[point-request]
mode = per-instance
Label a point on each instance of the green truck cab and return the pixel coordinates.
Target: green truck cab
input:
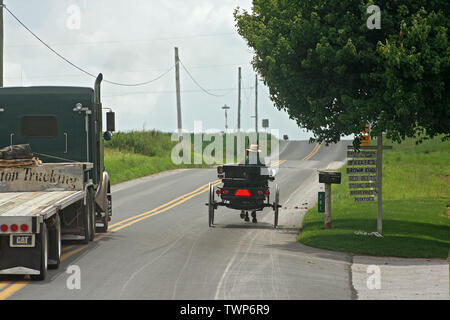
(60, 123)
(64, 127)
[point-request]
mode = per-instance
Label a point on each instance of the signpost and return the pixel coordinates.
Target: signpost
(362, 185)
(328, 178)
(362, 178)
(362, 170)
(365, 175)
(361, 154)
(362, 192)
(361, 162)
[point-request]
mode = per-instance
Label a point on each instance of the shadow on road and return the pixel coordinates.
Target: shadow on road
(257, 226)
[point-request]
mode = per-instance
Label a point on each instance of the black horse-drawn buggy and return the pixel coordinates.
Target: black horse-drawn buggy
(244, 188)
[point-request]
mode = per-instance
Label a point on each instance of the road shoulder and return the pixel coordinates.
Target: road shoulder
(400, 278)
(143, 180)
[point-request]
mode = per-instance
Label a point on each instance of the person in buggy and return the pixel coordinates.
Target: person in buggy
(252, 158)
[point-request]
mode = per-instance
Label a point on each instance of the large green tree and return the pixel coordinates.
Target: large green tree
(333, 74)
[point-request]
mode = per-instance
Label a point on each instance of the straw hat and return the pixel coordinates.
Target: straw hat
(253, 148)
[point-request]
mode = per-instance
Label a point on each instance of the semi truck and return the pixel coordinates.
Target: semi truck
(67, 194)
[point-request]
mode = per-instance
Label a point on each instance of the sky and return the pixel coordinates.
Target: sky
(132, 42)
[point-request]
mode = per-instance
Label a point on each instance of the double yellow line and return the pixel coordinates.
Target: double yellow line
(8, 288)
(277, 164)
(313, 152)
(169, 205)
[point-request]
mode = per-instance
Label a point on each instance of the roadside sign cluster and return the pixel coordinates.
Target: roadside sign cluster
(364, 169)
(362, 172)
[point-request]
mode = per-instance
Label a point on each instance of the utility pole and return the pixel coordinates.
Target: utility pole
(256, 104)
(225, 107)
(239, 112)
(177, 80)
(1, 43)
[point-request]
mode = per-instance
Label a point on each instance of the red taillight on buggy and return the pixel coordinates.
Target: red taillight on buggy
(260, 193)
(225, 192)
(218, 192)
(267, 193)
(242, 193)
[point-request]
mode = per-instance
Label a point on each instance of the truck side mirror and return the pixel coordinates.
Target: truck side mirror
(107, 135)
(110, 121)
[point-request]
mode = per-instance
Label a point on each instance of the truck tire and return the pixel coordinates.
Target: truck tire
(87, 219)
(108, 214)
(43, 245)
(54, 244)
(92, 204)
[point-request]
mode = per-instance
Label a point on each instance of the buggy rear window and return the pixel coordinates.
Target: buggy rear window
(38, 126)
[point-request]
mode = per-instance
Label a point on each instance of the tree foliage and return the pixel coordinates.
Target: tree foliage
(333, 74)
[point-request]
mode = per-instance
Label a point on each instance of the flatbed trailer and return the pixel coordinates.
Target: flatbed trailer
(39, 206)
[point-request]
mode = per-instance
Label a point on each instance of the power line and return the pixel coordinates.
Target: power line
(139, 84)
(60, 44)
(169, 91)
(77, 67)
(142, 70)
(198, 85)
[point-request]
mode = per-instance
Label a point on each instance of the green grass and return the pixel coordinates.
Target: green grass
(416, 181)
(123, 166)
(135, 154)
(147, 143)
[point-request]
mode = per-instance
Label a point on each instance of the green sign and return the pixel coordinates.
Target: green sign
(321, 201)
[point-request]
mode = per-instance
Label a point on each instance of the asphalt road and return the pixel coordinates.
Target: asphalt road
(160, 246)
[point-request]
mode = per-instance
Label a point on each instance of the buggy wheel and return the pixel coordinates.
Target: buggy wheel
(211, 205)
(276, 207)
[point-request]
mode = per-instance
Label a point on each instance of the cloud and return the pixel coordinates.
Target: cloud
(133, 41)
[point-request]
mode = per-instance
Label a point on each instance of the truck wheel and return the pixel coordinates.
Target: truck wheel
(92, 204)
(87, 219)
(54, 244)
(44, 254)
(107, 216)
